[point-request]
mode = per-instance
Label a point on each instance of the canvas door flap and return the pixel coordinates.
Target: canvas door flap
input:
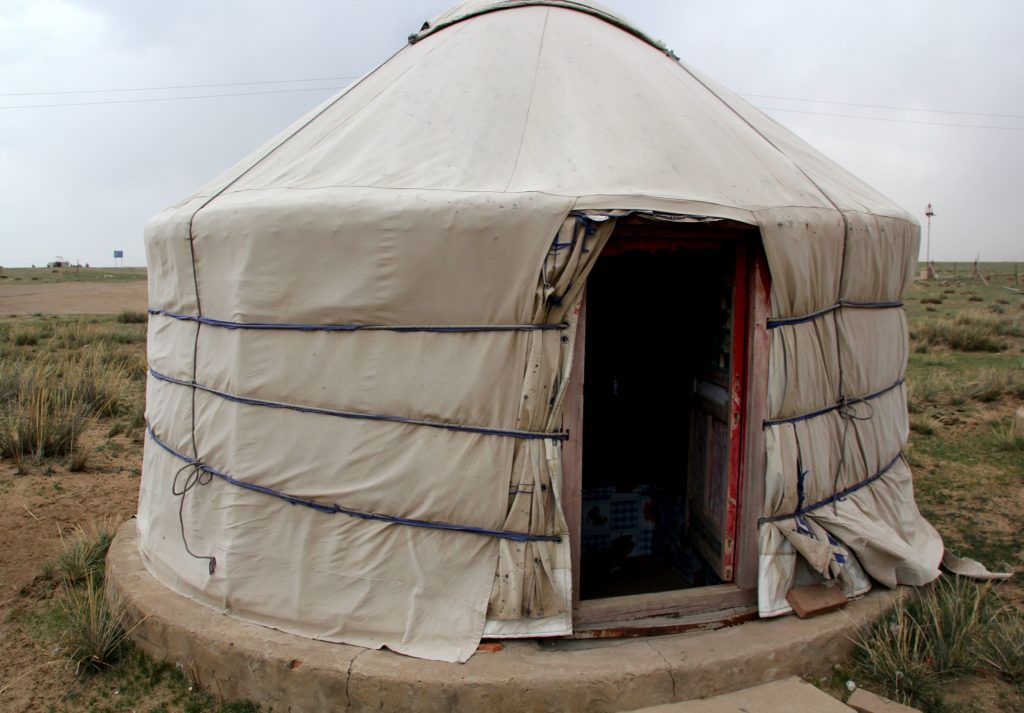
(881, 524)
(827, 555)
(815, 550)
(793, 553)
(532, 591)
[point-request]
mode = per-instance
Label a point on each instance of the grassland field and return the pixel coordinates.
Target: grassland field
(48, 275)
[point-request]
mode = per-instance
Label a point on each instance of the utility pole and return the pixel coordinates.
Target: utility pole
(929, 272)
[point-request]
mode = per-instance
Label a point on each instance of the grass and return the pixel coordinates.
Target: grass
(923, 424)
(25, 339)
(965, 379)
(94, 637)
(92, 371)
(1002, 651)
(41, 420)
(954, 382)
(62, 377)
(947, 632)
(89, 629)
(970, 337)
(83, 555)
(1005, 437)
(127, 317)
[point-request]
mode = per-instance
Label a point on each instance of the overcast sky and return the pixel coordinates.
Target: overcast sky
(80, 181)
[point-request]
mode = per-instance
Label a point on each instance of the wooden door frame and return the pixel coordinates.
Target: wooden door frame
(746, 449)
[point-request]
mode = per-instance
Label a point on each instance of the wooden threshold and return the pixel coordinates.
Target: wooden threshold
(699, 601)
(665, 625)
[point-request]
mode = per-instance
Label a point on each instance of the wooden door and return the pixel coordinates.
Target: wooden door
(715, 438)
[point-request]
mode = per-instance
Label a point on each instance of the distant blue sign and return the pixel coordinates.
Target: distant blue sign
(119, 253)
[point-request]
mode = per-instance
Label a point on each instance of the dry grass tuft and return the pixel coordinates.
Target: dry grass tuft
(986, 385)
(947, 632)
(968, 337)
(925, 425)
(1006, 439)
(94, 627)
(42, 419)
(92, 623)
(83, 554)
(128, 317)
(1002, 652)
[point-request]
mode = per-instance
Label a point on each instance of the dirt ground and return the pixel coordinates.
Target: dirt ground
(74, 298)
(36, 511)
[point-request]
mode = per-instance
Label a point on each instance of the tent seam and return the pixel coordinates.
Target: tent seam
(529, 107)
(576, 199)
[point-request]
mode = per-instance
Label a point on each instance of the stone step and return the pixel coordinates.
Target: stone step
(790, 695)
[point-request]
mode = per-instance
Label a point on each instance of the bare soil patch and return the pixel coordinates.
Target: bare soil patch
(74, 298)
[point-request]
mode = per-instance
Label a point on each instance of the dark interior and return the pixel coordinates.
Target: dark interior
(657, 319)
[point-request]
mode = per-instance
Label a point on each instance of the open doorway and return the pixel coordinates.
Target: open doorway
(662, 408)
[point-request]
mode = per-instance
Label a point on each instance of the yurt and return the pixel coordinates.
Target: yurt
(531, 326)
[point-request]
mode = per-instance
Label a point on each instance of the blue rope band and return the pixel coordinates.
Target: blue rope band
(841, 495)
(287, 326)
(559, 436)
(789, 321)
(335, 509)
(842, 403)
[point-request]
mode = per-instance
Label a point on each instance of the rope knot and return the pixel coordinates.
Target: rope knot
(848, 411)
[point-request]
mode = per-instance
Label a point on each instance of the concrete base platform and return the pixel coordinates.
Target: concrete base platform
(236, 660)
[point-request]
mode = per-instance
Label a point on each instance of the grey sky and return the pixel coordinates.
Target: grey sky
(81, 181)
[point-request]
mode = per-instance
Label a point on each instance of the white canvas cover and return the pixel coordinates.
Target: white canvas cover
(361, 335)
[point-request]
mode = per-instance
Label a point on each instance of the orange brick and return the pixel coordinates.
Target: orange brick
(815, 599)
